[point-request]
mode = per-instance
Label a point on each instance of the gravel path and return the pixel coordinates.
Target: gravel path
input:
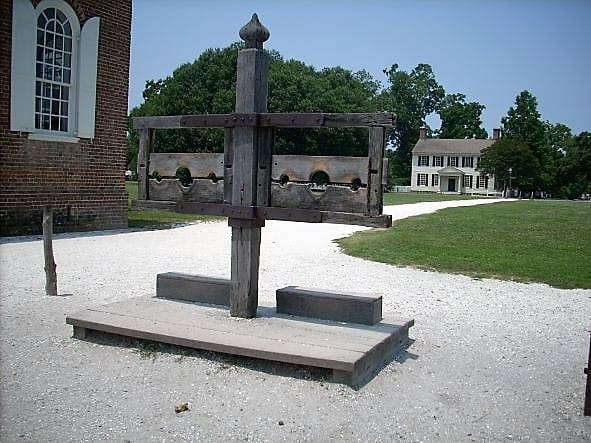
(490, 360)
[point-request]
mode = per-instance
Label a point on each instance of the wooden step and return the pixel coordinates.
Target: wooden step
(354, 352)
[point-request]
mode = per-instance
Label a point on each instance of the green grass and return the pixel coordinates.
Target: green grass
(402, 198)
(157, 219)
(529, 241)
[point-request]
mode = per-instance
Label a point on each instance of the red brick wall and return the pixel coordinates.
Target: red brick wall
(83, 181)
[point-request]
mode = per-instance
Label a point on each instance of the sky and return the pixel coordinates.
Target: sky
(489, 50)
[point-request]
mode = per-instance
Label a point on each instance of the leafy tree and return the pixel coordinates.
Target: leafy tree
(208, 86)
(412, 96)
(576, 171)
(523, 122)
(460, 119)
(510, 154)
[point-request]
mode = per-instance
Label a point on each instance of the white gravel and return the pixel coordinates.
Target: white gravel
(490, 360)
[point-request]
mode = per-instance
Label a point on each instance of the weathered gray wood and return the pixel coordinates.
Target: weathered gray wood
(299, 168)
(264, 119)
(159, 205)
(146, 146)
(331, 198)
(79, 332)
(354, 353)
(379, 221)
(251, 96)
(264, 159)
(330, 305)
(200, 190)
(377, 138)
(201, 164)
(50, 273)
(223, 210)
(196, 288)
(228, 161)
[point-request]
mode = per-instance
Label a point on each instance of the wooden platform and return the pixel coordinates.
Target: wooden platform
(354, 352)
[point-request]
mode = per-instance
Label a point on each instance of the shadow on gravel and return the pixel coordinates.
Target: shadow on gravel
(149, 350)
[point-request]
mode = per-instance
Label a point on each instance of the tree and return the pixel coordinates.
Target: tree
(506, 158)
(576, 170)
(412, 96)
(460, 119)
(208, 86)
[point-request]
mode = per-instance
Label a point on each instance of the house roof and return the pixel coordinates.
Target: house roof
(451, 146)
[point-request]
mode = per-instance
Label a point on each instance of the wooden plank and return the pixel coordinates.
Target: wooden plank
(201, 165)
(290, 214)
(264, 158)
(228, 161)
(331, 305)
(146, 146)
(379, 221)
(196, 288)
(352, 351)
(340, 169)
(331, 198)
(375, 168)
(158, 122)
(158, 205)
(264, 119)
(200, 190)
(223, 210)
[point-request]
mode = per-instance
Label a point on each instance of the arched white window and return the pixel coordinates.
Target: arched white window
(53, 72)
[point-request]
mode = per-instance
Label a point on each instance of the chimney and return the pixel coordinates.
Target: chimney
(496, 133)
(423, 133)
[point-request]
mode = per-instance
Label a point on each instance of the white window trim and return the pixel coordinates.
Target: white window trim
(52, 137)
(84, 71)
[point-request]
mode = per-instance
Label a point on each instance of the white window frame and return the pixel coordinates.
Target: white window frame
(422, 179)
(434, 179)
(481, 181)
(437, 160)
(84, 72)
(423, 160)
(468, 181)
(467, 162)
(452, 161)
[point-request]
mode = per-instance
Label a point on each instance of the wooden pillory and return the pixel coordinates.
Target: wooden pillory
(249, 185)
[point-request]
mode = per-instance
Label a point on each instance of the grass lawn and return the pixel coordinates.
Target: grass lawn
(157, 219)
(402, 198)
(541, 241)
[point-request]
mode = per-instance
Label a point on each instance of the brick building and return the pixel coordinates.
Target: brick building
(64, 73)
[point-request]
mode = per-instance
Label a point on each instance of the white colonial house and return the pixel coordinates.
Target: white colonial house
(449, 165)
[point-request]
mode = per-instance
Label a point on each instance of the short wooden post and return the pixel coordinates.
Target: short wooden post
(377, 137)
(143, 162)
(587, 409)
(249, 144)
(50, 274)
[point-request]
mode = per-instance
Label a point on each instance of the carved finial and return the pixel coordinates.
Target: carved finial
(254, 33)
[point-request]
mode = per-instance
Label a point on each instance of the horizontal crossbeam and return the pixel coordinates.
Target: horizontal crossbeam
(264, 119)
(269, 213)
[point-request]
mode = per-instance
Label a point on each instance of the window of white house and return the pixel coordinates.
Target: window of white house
(53, 71)
(482, 181)
(423, 160)
(422, 179)
(467, 181)
(434, 179)
(452, 161)
(437, 160)
(467, 162)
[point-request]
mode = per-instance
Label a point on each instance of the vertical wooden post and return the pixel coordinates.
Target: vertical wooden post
(377, 137)
(50, 274)
(143, 162)
(587, 409)
(249, 145)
